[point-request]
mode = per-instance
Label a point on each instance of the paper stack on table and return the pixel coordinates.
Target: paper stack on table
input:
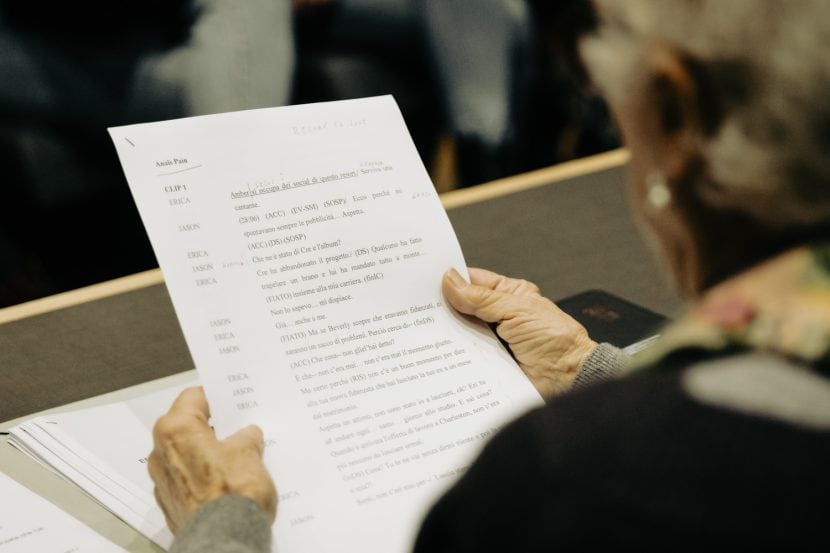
(103, 451)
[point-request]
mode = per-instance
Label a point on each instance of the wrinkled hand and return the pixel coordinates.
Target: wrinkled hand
(190, 467)
(548, 344)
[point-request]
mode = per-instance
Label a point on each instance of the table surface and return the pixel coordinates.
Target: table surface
(567, 228)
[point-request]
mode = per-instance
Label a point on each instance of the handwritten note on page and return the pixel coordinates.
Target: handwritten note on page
(303, 248)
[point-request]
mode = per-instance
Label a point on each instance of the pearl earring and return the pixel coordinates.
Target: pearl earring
(658, 193)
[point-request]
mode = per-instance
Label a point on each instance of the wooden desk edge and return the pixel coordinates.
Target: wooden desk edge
(453, 199)
(81, 295)
(534, 179)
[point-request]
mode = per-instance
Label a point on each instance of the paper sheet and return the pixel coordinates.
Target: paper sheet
(29, 523)
(103, 450)
(303, 248)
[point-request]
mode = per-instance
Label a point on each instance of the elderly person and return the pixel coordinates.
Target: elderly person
(720, 433)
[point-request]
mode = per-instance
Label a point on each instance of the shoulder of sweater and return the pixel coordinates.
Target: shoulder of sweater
(753, 385)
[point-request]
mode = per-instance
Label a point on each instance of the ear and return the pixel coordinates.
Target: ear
(680, 109)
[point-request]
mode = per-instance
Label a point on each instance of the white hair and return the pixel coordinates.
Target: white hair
(769, 154)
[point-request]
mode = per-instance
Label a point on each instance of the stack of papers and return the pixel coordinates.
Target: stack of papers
(103, 450)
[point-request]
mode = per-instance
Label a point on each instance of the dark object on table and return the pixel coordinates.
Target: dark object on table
(609, 318)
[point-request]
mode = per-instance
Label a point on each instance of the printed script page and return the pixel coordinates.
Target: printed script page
(303, 248)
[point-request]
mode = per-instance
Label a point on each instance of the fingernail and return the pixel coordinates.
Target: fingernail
(456, 279)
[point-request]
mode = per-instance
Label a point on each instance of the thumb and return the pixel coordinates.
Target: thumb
(249, 438)
(485, 303)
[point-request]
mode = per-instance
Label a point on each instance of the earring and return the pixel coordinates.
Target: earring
(658, 193)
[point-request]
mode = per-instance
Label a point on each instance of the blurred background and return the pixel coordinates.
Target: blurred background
(483, 95)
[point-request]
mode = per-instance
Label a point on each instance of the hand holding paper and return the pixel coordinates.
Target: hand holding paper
(548, 344)
(190, 467)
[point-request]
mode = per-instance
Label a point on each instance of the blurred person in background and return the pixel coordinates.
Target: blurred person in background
(70, 70)
(719, 435)
(474, 70)
(470, 71)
